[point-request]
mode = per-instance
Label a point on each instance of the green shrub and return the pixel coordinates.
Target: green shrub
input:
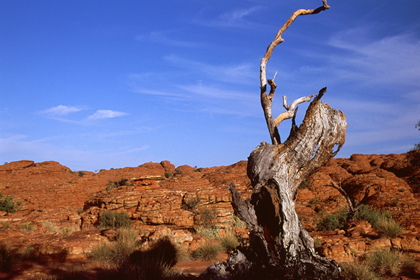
(381, 220)
(168, 175)
(332, 221)
(358, 271)
(6, 225)
(228, 241)
(118, 251)
(385, 262)
(208, 216)
(210, 232)
(114, 220)
(388, 228)
(190, 203)
(304, 185)
(26, 227)
(178, 172)
(208, 251)
(154, 263)
(116, 184)
(8, 205)
(317, 242)
(238, 223)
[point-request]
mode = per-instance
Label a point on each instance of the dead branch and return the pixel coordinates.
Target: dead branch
(266, 99)
(352, 205)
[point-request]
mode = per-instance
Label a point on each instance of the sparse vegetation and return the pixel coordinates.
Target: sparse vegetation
(114, 220)
(385, 262)
(178, 172)
(116, 184)
(304, 185)
(381, 220)
(358, 271)
(228, 241)
(6, 225)
(190, 203)
(211, 232)
(317, 242)
(118, 251)
(417, 146)
(154, 263)
(389, 228)
(332, 221)
(168, 175)
(208, 216)
(26, 227)
(208, 251)
(8, 205)
(379, 264)
(81, 173)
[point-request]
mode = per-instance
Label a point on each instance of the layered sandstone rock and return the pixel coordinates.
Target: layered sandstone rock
(60, 208)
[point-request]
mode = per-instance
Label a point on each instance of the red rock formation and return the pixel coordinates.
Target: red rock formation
(60, 208)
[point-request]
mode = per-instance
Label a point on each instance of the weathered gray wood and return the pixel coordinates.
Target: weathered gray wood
(279, 247)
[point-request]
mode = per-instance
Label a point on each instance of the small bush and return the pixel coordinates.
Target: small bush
(208, 215)
(114, 220)
(380, 220)
(6, 225)
(116, 184)
(190, 203)
(238, 223)
(304, 185)
(178, 172)
(168, 175)
(8, 205)
(118, 251)
(26, 227)
(229, 241)
(151, 264)
(208, 251)
(358, 271)
(317, 242)
(212, 233)
(385, 263)
(332, 221)
(388, 228)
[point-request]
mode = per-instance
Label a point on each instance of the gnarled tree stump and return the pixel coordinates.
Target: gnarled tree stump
(279, 247)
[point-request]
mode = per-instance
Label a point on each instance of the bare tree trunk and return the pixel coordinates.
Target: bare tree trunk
(279, 243)
(279, 247)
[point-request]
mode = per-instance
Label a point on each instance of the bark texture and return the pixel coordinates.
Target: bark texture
(279, 247)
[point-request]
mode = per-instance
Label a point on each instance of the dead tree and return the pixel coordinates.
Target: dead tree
(353, 205)
(279, 247)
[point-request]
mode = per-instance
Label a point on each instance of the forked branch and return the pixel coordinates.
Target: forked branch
(353, 206)
(266, 99)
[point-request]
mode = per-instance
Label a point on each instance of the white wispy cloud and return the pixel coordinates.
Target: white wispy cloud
(161, 37)
(105, 114)
(216, 93)
(62, 110)
(239, 73)
(389, 60)
(233, 19)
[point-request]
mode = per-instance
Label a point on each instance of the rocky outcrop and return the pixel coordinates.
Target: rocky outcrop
(62, 206)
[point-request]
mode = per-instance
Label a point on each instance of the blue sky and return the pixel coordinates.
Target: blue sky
(108, 84)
